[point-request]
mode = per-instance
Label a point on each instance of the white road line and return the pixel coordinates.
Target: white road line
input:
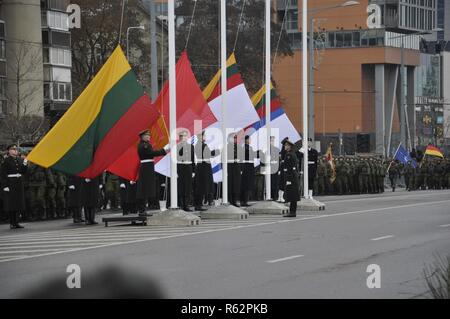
(446, 225)
(368, 211)
(283, 259)
(383, 237)
(75, 241)
(380, 197)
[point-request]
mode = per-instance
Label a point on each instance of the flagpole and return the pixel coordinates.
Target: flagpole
(390, 164)
(268, 102)
(305, 98)
(223, 59)
(172, 107)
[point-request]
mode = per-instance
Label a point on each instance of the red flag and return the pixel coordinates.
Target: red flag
(191, 106)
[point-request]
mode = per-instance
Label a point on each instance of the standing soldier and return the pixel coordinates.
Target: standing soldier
(75, 198)
(127, 196)
(146, 184)
(281, 181)
(408, 171)
(313, 157)
(50, 194)
(37, 187)
(91, 195)
(112, 191)
(248, 172)
(364, 170)
(340, 176)
(321, 176)
(12, 170)
(204, 182)
(235, 155)
(291, 166)
(274, 169)
(394, 173)
(185, 170)
(61, 183)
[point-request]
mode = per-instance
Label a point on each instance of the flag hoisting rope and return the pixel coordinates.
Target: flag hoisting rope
(191, 24)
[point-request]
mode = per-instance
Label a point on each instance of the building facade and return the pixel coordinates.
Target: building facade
(357, 81)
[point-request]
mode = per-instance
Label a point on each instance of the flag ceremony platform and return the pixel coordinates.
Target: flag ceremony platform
(267, 208)
(133, 219)
(310, 204)
(225, 212)
(173, 217)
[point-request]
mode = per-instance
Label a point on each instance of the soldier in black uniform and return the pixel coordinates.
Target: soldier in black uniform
(74, 198)
(274, 169)
(248, 172)
(186, 171)
(146, 184)
(204, 182)
(91, 195)
(281, 174)
(313, 157)
(235, 156)
(291, 171)
(12, 171)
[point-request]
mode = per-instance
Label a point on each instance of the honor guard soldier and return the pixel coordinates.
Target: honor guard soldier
(274, 169)
(291, 176)
(12, 171)
(91, 195)
(313, 157)
(75, 198)
(204, 182)
(281, 180)
(146, 185)
(248, 172)
(235, 156)
(185, 170)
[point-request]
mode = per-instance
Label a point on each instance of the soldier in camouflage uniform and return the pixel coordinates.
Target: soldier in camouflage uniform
(439, 172)
(321, 176)
(51, 194)
(363, 173)
(37, 183)
(112, 191)
(351, 171)
(339, 183)
(408, 174)
(61, 183)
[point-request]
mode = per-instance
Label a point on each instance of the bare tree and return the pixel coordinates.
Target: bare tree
(25, 121)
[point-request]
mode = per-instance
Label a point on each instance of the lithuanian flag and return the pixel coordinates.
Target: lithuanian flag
(100, 125)
(434, 151)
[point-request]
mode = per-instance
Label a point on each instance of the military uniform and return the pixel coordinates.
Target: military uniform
(394, 173)
(186, 173)
(292, 193)
(112, 191)
(12, 171)
(408, 173)
(61, 183)
(37, 182)
(50, 194)
(235, 156)
(363, 170)
(204, 182)
(248, 174)
(75, 197)
(91, 195)
(146, 184)
(128, 196)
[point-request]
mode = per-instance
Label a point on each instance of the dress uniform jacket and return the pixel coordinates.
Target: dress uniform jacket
(281, 172)
(248, 169)
(12, 171)
(185, 168)
(146, 186)
(291, 174)
(204, 182)
(91, 192)
(74, 196)
(235, 156)
(313, 157)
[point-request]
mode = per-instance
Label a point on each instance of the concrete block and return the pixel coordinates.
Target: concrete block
(173, 217)
(267, 208)
(310, 204)
(225, 212)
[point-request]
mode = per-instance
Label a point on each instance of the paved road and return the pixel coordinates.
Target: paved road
(312, 256)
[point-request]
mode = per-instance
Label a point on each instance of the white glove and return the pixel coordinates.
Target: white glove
(6, 189)
(25, 162)
(193, 175)
(87, 180)
(167, 148)
(302, 150)
(132, 182)
(122, 185)
(72, 187)
(100, 186)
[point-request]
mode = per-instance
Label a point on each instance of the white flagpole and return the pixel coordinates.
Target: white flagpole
(172, 107)
(223, 58)
(268, 101)
(305, 98)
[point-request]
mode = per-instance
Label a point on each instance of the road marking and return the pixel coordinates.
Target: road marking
(283, 259)
(368, 211)
(380, 197)
(383, 237)
(446, 225)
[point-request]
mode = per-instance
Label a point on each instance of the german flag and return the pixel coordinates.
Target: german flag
(434, 151)
(100, 125)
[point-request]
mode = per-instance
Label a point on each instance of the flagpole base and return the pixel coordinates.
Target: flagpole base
(225, 211)
(267, 208)
(174, 217)
(310, 205)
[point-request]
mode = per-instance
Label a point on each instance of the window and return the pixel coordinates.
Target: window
(60, 57)
(47, 91)
(2, 50)
(2, 87)
(46, 55)
(58, 20)
(356, 39)
(347, 39)
(339, 40)
(3, 108)
(331, 42)
(60, 91)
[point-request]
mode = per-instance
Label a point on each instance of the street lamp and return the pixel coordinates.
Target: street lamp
(311, 63)
(128, 32)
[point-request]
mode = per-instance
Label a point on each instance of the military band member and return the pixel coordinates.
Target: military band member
(186, 170)
(234, 160)
(146, 186)
(12, 171)
(204, 182)
(75, 198)
(291, 174)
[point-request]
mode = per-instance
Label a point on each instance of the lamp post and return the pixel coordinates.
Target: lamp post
(311, 130)
(128, 33)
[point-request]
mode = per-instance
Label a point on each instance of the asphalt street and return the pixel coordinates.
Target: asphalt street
(316, 255)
